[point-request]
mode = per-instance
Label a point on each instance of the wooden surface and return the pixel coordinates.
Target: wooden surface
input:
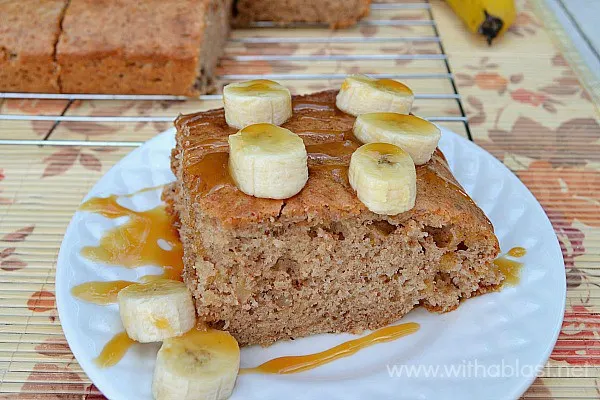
(524, 102)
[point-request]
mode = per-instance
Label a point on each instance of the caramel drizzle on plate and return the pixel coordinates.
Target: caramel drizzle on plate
(99, 292)
(517, 252)
(511, 269)
(294, 364)
(132, 244)
(136, 242)
(114, 350)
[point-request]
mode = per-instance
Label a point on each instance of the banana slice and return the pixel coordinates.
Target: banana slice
(156, 310)
(384, 178)
(417, 137)
(268, 161)
(361, 94)
(257, 101)
(196, 366)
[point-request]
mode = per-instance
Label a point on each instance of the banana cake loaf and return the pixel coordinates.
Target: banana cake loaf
(319, 261)
(29, 30)
(127, 47)
(154, 47)
(335, 13)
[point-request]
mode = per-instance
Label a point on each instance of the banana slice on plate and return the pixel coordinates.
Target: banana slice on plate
(268, 161)
(156, 310)
(257, 101)
(384, 178)
(361, 94)
(196, 366)
(417, 137)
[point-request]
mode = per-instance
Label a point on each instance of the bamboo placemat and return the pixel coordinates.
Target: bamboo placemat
(523, 101)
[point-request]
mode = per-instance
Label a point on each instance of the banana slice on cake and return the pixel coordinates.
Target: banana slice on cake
(268, 161)
(384, 178)
(196, 366)
(417, 137)
(156, 310)
(257, 101)
(361, 94)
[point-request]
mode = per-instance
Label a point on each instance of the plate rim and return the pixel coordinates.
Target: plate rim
(84, 360)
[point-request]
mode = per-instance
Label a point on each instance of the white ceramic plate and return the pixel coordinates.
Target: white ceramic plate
(490, 347)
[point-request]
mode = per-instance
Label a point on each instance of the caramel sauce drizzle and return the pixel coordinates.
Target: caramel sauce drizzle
(384, 84)
(100, 292)
(259, 86)
(211, 165)
(332, 151)
(132, 244)
(294, 364)
(314, 106)
(114, 350)
(511, 269)
(213, 171)
(327, 147)
(517, 252)
(390, 84)
(135, 243)
(321, 135)
(213, 144)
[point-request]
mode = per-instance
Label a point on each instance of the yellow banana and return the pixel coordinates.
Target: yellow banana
(489, 18)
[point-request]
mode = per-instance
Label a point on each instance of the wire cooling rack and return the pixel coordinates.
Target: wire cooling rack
(395, 35)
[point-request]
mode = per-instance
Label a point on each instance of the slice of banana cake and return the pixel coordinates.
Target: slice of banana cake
(320, 261)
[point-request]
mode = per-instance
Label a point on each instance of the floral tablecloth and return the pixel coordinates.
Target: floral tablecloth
(523, 99)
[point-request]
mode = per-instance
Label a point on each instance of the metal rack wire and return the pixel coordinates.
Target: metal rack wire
(240, 58)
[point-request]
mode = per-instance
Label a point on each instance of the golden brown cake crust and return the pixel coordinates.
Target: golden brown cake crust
(150, 47)
(29, 30)
(335, 13)
(327, 195)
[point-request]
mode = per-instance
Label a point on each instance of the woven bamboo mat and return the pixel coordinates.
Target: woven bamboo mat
(523, 101)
